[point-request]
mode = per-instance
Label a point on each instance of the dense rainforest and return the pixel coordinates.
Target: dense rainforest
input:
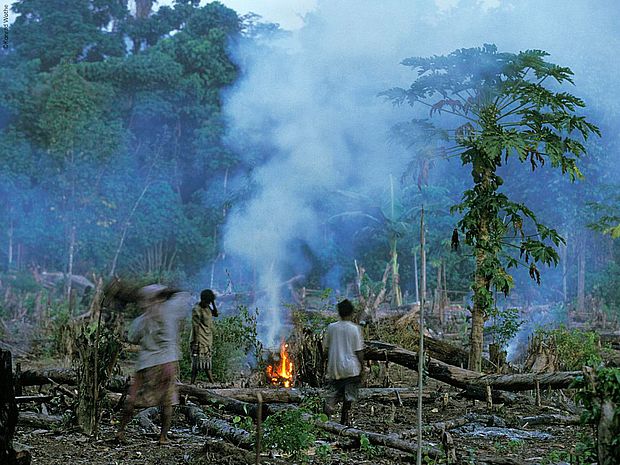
(411, 156)
(117, 159)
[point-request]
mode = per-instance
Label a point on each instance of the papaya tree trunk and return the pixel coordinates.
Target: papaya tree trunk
(481, 287)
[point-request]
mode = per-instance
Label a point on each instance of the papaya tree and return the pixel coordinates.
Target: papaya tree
(497, 106)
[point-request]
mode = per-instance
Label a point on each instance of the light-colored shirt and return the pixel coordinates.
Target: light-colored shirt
(156, 330)
(343, 339)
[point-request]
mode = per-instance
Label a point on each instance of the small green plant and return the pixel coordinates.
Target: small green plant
(313, 403)
(289, 431)
(513, 446)
(367, 448)
(324, 452)
(245, 423)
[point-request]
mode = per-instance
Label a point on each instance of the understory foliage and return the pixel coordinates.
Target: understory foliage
(235, 345)
(599, 394)
(497, 106)
(96, 352)
(574, 348)
(289, 431)
(505, 325)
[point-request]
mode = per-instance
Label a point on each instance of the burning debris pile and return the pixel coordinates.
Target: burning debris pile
(281, 372)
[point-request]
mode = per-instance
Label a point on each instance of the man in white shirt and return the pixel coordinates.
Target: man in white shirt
(344, 345)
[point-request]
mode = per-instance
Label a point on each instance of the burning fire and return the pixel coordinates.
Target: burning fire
(281, 373)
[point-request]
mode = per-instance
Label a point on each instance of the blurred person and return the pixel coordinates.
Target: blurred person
(201, 342)
(344, 344)
(156, 330)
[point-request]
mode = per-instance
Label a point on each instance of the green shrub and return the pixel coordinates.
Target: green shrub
(575, 348)
(290, 432)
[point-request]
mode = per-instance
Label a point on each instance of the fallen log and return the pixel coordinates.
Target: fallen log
(466, 379)
(450, 354)
(550, 419)
(207, 397)
(215, 426)
(146, 419)
(377, 439)
(39, 420)
(36, 399)
(39, 377)
(295, 396)
(439, 427)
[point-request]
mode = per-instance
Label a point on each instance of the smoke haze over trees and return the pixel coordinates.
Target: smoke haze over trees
(192, 143)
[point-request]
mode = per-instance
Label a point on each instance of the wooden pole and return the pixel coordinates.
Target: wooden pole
(421, 340)
(259, 426)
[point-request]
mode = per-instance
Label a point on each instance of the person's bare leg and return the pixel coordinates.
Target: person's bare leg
(128, 410)
(194, 373)
(346, 408)
(210, 376)
(166, 420)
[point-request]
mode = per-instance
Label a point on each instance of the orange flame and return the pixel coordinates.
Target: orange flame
(281, 374)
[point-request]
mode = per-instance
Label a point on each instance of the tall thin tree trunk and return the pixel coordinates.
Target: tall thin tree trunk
(444, 295)
(71, 258)
(421, 340)
(581, 275)
(396, 293)
(481, 289)
(564, 259)
(438, 296)
(415, 276)
(10, 233)
(126, 226)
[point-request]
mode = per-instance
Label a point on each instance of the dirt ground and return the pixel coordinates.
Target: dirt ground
(505, 439)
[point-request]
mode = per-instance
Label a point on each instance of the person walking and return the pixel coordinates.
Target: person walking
(156, 330)
(344, 344)
(201, 343)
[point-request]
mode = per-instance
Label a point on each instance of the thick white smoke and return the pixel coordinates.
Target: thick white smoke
(308, 107)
